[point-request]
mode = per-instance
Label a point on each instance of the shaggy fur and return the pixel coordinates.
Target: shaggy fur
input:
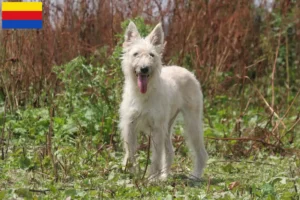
(152, 98)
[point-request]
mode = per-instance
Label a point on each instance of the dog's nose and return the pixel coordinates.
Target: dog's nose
(145, 70)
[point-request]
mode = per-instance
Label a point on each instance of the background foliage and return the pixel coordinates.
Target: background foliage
(60, 89)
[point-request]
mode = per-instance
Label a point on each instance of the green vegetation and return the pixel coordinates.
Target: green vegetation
(69, 146)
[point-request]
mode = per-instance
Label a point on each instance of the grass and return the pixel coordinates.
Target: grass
(93, 174)
(83, 164)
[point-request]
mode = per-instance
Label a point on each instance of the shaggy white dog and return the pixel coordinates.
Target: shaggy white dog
(153, 96)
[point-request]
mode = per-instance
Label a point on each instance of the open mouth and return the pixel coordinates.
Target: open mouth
(142, 80)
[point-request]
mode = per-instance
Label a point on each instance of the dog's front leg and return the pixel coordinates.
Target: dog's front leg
(157, 148)
(130, 145)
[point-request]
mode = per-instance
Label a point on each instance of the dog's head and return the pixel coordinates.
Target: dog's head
(142, 56)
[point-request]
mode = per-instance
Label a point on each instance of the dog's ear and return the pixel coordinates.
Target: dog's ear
(156, 37)
(131, 34)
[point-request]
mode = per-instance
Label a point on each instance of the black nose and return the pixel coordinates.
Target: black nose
(145, 70)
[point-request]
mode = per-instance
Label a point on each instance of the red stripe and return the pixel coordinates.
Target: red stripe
(21, 15)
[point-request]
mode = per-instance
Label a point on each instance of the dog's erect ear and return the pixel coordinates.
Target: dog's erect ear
(131, 34)
(156, 37)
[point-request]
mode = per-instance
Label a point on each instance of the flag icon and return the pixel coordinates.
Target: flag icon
(22, 15)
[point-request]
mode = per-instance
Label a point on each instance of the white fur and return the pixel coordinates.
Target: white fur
(170, 90)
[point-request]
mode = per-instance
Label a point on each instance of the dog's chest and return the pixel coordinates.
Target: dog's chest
(145, 122)
(148, 116)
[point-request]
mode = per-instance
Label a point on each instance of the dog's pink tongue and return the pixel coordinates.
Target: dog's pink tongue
(142, 83)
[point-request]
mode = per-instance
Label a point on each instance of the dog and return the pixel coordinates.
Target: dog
(153, 96)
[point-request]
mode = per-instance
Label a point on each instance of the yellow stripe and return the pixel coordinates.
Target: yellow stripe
(22, 6)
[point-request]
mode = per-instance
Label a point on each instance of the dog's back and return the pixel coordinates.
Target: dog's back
(186, 85)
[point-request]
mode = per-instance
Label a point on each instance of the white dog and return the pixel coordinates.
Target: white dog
(153, 96)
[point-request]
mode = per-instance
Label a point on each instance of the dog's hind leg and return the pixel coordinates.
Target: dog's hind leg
(194, 133)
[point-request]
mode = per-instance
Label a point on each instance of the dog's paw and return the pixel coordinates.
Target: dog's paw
(194, 178)
(153, 178)
(163, 177)
(158, 177)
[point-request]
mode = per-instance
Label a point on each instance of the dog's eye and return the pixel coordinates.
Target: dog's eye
(151, 54)
(135, 54)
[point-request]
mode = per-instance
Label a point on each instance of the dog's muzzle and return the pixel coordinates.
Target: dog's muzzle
(145, 70)
(142, 78)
